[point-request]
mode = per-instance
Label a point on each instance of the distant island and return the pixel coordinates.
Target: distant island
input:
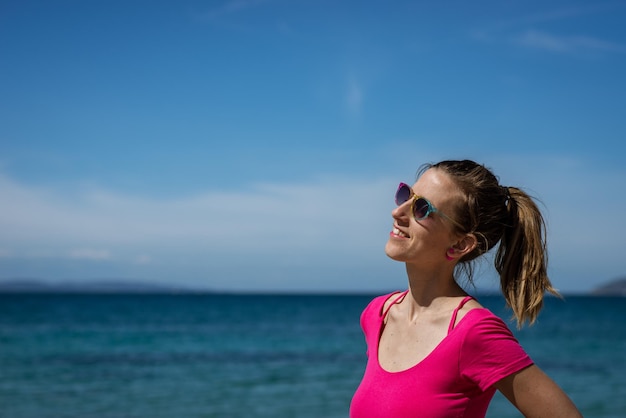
(97, 286)
(612, 288)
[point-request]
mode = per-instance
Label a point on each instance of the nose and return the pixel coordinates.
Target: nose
(402, 212)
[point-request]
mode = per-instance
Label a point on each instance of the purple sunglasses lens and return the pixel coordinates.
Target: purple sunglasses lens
(403, 194)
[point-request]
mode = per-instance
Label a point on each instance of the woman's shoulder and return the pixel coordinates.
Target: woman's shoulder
(465, 305)
(479, 323)
(371, 317)
(387, 300)
(381, 303)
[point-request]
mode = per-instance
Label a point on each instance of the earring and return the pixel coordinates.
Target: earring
(448, 254)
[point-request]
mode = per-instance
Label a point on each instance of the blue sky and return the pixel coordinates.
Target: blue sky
(255, 145)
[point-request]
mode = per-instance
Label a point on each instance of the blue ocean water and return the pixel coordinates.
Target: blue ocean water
(211, 355)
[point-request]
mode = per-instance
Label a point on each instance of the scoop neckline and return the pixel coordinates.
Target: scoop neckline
(434, 350)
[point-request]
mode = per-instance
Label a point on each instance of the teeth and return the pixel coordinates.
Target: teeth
(400, 233)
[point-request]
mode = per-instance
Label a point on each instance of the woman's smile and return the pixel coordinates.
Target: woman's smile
(395, 232)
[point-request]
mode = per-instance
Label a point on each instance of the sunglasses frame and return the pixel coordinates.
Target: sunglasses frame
(431, 208)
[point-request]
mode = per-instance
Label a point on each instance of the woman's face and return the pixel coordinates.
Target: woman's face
(425, 241)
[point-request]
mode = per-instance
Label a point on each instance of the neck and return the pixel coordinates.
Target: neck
(426, 286)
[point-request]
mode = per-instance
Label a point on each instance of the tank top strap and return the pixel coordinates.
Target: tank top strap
(396, 300)
(456, 311)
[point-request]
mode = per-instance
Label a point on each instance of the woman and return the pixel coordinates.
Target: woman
(434, 351)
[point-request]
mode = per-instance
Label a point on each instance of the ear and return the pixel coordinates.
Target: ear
(465, 245)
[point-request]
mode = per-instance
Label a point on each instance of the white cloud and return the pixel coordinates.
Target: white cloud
(267, 218)
(550, 42)
(265, 236)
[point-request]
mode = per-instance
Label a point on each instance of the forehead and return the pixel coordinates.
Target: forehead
(438, 187)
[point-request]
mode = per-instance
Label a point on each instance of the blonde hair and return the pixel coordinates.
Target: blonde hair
(508, 216)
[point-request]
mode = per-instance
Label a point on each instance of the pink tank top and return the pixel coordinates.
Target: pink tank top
(454, 381)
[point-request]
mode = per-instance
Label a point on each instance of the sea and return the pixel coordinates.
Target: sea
(255, 355)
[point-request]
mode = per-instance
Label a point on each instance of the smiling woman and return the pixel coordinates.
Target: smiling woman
(433, 350)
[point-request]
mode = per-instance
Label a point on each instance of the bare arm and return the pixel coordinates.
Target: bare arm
(536, 395)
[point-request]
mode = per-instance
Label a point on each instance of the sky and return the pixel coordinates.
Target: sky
(255, 145)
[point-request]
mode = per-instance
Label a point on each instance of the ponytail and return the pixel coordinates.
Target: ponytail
(522, 258)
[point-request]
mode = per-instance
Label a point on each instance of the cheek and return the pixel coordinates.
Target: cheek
(434, 236)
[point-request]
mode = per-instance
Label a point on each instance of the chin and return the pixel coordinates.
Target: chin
(397, 257)
(393, 253)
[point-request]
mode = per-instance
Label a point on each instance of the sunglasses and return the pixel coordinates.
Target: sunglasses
(421, 207)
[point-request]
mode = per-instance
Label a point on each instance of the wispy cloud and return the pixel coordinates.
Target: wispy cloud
(232, 7)
(354, 96)
(260, 236)
(535, 31)
(566, 44)
(267, 218)
(556, 15)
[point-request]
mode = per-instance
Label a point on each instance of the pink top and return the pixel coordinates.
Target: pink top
(455, 380)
